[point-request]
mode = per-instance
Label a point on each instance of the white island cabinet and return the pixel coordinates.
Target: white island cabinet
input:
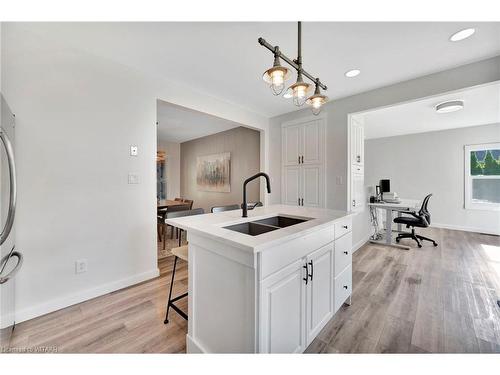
(270, 282)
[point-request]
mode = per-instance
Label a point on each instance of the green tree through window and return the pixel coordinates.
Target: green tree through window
(491, 166)
(475, 167)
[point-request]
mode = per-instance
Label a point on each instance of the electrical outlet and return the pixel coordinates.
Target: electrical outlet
(81, 266)
(133, 178)
(134, 150)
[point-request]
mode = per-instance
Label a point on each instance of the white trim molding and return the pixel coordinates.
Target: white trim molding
(360, 244)
(465, 229)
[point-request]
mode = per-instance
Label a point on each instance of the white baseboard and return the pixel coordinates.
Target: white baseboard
(360, 244)
(193, 347)
(465, 229)
(72, 299)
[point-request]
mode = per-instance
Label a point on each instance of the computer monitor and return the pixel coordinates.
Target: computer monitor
(385, 186)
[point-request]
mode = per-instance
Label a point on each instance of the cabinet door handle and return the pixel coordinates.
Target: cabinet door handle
(344, 226)
(307, 273)
(302, 159)
(299, 159)
(298, 201)
(354, 202)
(345, 287)
(358, 158)
(346, 253)
(302, 201)
(312, 270)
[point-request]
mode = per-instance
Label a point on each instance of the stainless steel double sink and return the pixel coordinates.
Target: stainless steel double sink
(254, 228)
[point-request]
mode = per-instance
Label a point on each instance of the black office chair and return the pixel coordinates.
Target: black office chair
(422, 219)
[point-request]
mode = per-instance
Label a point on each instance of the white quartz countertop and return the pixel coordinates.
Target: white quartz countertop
(212, 225)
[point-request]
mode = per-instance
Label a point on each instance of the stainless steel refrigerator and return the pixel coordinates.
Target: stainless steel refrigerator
(10, 258)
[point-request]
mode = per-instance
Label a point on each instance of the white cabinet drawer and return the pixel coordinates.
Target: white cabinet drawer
(357, 169)
(343, 256)
(342, 227)
(343, 287)
(281, 255)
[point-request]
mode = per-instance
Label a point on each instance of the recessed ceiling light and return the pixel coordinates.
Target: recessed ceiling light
(462, 34)
(450, 106)
(352, 73)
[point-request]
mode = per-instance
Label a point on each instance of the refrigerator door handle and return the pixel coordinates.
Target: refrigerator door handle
(13, 186)
(5, 260)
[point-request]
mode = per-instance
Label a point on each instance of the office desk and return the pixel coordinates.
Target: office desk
(408, 205)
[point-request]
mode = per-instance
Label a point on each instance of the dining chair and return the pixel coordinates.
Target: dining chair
(230, 207)
(178, 231)
(161, 220)
(189, 202)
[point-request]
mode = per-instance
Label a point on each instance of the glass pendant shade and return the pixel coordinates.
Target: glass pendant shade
(316, 101)
(276, 77)
(298, 91)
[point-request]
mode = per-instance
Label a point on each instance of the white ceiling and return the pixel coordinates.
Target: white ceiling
(223, 59)
(481, 106)
(179, 124)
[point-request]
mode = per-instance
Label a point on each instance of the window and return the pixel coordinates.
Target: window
(482, 176)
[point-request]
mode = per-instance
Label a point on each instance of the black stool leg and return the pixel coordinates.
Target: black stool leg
(170, 292)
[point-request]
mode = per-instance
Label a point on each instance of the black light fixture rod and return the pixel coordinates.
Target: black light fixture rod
(299, 45)
(290, 62)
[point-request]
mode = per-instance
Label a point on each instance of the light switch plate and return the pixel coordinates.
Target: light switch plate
(133, 178)
(134, 150)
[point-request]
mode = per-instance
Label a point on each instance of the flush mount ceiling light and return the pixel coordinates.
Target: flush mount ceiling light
(352, 73)
(299, 91)
(462, 34)
(450, 106)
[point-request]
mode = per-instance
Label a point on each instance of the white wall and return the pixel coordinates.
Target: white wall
(76, 116)
(437, 168)
(173, 156)
(338, 110)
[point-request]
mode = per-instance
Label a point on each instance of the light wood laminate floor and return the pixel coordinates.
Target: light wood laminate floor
(432, 299)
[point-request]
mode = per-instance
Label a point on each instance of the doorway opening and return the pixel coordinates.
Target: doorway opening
(202, 161)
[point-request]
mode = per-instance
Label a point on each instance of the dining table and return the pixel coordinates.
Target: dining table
(166, 203)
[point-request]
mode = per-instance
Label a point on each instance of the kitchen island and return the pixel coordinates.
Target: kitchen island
(267, 283)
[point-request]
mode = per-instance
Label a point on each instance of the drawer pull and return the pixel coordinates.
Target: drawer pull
(312, 270)
(344, 226)
(345, 287)
(346, 253)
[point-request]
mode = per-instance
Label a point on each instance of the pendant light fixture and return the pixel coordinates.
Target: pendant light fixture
(299, 91)
(317, 100)
(277, 75)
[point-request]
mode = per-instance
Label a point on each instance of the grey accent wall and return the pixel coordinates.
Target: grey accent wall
(244, 146)
(433, 162)
(337, 112)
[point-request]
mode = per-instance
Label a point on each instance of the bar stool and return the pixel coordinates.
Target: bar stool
(180, 252)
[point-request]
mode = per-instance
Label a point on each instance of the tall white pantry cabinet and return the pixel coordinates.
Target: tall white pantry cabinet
(303, 162)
